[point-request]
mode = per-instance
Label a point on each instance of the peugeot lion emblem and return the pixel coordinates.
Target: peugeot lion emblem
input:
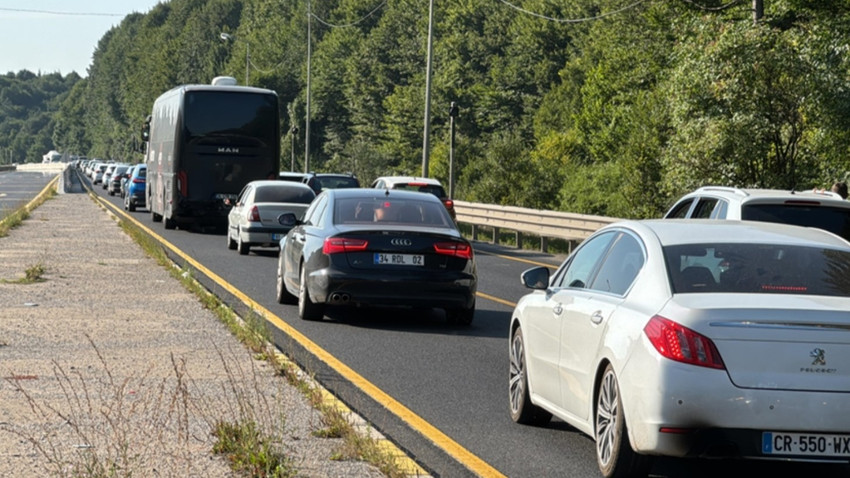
(819, 356)
(401, 242)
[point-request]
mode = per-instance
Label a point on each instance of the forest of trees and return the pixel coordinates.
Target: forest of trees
(608, 107)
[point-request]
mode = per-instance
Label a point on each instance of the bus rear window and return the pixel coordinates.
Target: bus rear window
(235, 117)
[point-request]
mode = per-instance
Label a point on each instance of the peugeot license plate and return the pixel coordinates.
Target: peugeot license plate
(806, 444)
(399, 259)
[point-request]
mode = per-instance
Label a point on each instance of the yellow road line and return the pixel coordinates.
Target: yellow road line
(496, 299)
(519, 259)
(454, 449)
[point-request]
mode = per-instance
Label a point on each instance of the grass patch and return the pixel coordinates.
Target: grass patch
(32, 275)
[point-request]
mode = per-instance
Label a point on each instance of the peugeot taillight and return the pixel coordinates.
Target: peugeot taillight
(679, 343)
(453, 248)
(334, 245)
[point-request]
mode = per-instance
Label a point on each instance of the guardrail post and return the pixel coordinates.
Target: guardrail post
(544, 244)
(518, 235)
(496, 233)
(474, 232)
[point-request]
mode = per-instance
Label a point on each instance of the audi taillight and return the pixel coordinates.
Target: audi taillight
(452, 248)
(334, 245)
(254, 214)
(679, 343)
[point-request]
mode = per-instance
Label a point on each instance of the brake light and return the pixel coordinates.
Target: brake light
(679, 343)
(182, 184)
(254, 214)
(139, 181)
(456, 249)
(449, 203)
(334, 245)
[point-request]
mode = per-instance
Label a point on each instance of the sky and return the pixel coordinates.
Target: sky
(49, 36)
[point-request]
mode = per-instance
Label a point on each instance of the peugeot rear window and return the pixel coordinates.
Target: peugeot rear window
(758, 268)
(832, 219)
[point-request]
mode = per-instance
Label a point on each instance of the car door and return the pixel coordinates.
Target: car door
(585, 319)
(236, 216)
(544, 325)
(295, 241)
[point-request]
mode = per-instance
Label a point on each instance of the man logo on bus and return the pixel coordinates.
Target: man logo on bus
(228, 150)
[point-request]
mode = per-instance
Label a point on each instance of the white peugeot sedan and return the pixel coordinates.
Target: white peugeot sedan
(690, 338)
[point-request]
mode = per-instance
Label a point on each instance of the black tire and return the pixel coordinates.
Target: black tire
(111, 192)
(462, 316)
(307, 309)
(169, 222)
(156, 217)
(243, 247)
(283, 295)
(614, 453)
(131, 205)
(522, 410)
(231, 244)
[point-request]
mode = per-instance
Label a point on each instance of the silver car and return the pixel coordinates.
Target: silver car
(689, 338)
(253, 219)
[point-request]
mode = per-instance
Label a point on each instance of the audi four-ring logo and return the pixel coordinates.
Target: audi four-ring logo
(401, 242)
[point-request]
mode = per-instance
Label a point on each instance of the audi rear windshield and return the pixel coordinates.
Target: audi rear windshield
(832, 219)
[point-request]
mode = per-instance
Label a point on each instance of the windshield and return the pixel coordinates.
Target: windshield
(758, 268)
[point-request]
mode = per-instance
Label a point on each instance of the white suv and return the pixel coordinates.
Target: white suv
(412, 183)
(824, 210)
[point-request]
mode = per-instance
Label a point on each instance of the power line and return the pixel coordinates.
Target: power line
(50, 12)
(361, 20)
(572, 20)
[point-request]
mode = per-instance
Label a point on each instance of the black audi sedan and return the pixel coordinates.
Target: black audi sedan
(376, 247)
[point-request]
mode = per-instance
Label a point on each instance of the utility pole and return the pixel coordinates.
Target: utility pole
(426, 146)
(307, 122)
(292, 133)
(758, 10)
(453, 113)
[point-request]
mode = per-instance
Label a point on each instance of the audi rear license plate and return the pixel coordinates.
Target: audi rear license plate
(399, 259)
(805, 444)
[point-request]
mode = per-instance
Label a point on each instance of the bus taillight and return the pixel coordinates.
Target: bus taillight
(182, 183)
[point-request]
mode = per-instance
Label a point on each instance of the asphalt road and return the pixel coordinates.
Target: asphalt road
(19, 187)
(452, 381)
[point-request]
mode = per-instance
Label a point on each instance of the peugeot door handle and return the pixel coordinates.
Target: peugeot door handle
(596, 317)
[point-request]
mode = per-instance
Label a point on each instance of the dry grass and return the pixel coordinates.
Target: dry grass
(140, 425)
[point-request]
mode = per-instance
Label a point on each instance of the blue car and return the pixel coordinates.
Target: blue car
(135, 195)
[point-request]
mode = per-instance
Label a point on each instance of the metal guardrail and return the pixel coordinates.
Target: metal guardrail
(571, 227)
